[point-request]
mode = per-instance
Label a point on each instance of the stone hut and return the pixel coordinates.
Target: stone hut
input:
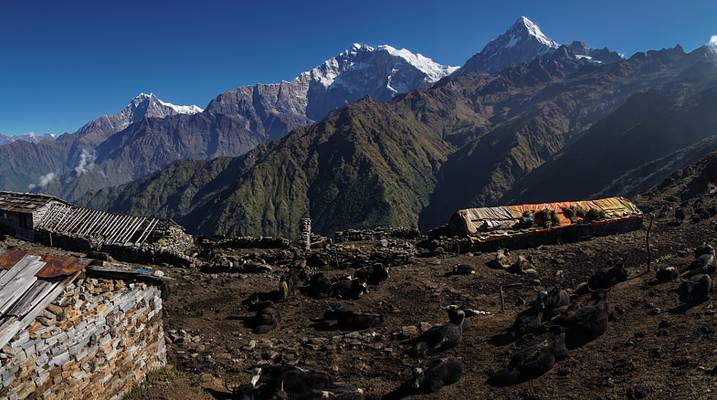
(20, 213)
(57, 223)
(73, 331)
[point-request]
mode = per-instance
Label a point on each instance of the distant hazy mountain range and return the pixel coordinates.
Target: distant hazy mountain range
(379, 136)
(28, 137)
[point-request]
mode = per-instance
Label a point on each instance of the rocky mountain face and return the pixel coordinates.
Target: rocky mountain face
(488, 166)
(651, 135)
(34, 162)
(467, 141)
(338, 176)
(694, 182)
(150, 133)
(150, 145)
(379, 72)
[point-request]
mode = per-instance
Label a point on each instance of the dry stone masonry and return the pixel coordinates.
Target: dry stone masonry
(95, 341)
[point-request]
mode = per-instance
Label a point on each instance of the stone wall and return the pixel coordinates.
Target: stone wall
(95, 341)
(380, 233)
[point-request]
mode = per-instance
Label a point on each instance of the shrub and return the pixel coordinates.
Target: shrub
(547, 218)
(594, 214)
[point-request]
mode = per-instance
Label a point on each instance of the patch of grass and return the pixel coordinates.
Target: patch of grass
(162, 376)
(663, 258)
(168, 383)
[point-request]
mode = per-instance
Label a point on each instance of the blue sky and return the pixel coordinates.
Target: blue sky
(63, 63)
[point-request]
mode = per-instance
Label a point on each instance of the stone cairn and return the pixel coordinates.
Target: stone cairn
(306, 233)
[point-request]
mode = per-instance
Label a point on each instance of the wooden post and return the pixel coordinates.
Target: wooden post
(647, 242)
(502, 293)
(502, 299)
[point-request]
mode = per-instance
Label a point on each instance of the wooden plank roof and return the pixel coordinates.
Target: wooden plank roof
(25, 202)
(24, 295)
(30, 282)
(97, 226)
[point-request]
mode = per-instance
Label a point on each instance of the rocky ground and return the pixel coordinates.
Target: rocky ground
(653, 349)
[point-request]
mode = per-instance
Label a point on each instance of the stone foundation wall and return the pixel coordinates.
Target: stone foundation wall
(96, 341)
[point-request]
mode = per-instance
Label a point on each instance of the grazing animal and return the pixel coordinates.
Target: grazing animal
(439, 373)
(533, 361)
(349, 288)
(608, 277)
(527, 321)
(696, 289)
(501, 260)
(463, 269)
(704, 262)
(291, 382)
(319, 286)
(290, 282)
(524, 265)
(266, 318)
(442, 337)
(549, 302)
(352, 321)
(586, 323)
(666, 274)
(372, 275)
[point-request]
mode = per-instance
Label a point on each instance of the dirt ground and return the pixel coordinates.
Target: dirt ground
(652, 350)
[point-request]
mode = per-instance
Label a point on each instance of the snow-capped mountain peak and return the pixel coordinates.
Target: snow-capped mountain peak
(534, 31)
(521, 43)
(361, 70)
(362, 56)
(433, 70)
(190, 109)
(148, 105)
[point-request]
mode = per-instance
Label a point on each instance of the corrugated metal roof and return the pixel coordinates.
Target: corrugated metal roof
(25, 202)
(55, 266)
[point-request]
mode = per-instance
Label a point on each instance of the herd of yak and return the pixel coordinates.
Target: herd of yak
(556, 322)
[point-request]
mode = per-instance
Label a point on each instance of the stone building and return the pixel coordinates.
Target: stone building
(20, 213)
(56, 223)
(73, 331)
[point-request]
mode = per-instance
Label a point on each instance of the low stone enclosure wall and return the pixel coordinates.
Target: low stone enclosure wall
(147, 253)
(243, 242)
(95, 341)
(379, 233)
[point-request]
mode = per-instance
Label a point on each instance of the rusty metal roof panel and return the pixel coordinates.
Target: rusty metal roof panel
(55, 266)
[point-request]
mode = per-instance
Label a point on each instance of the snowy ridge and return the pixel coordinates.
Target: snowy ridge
(31, 137)
(433, 70)
(191, 109)
(151, 97)
(712, 44)
(362, 56)
(534, 30)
